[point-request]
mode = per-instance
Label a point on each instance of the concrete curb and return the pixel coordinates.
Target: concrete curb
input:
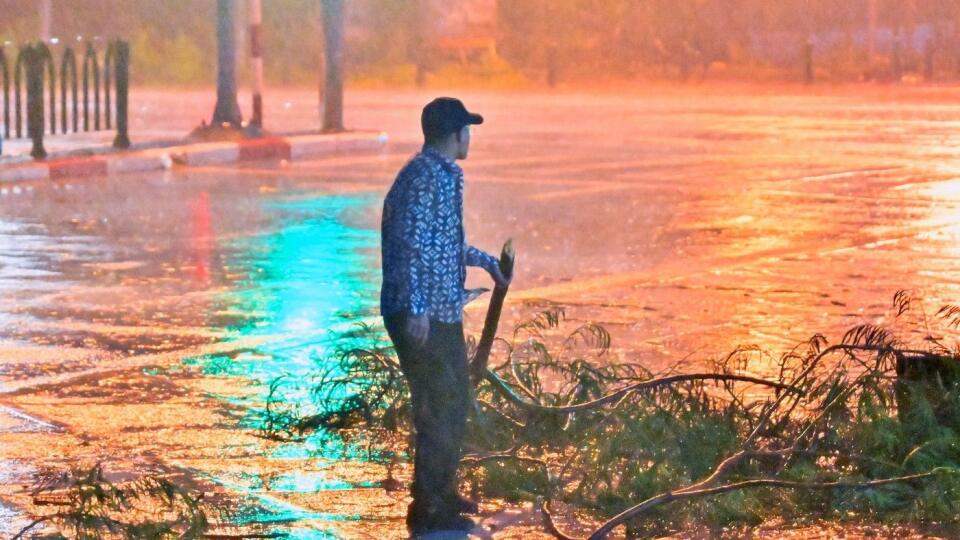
(292, 147)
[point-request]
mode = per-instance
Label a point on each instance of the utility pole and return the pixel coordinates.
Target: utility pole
(910, 19)
(256, 59)
(46, 20)
(332, 85)
(226, 113)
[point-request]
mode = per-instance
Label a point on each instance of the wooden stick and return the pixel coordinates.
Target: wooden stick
(478, 366)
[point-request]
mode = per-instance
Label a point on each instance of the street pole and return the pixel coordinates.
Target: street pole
(46, 20)
(256, 59)
(332, 86)
(808, 61)
(909, 52)
(226, 113)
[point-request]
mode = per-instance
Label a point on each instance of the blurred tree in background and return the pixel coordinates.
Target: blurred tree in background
(562, 40)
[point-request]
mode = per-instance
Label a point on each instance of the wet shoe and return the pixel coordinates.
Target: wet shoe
(464, 505)
(418, 519)
(455, 523)
(421, 520)
(459, 523)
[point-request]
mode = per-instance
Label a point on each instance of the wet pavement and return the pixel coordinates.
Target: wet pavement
(144, 315)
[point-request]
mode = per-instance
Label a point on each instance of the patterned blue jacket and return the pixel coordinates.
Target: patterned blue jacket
(423, 247)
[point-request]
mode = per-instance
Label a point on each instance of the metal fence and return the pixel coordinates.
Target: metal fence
(34, 70)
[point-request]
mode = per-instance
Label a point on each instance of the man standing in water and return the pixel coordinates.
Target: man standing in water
(424, 268)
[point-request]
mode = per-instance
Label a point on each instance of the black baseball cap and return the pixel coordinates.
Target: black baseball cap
(446, 115)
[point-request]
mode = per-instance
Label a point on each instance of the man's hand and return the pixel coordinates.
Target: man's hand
(418, 328)
(502, 281)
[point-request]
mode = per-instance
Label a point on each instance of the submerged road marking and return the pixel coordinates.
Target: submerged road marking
(22, 416)
(849, 173)
(132, 362)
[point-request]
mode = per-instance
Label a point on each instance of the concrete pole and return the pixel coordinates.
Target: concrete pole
(332, 88)
(909, 51)
(46, 20)
(897, 56)
(256, 60)
(227, 109)
(419, 33)
(955, 44)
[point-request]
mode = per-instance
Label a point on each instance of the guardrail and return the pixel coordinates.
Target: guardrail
(34, 67)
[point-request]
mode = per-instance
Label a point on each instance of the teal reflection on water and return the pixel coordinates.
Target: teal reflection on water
(319, 443)
(308, 534)
(268, 510)
(312, 275)
(311, 482)
(301, 286)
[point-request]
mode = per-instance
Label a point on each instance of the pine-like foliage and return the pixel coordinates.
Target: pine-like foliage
(863, 429)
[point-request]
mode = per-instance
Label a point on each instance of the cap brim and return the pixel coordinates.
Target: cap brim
(476, 119)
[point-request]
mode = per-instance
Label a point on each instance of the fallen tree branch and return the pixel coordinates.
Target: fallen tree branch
(689, 493)
(551, 526)
(477, 460)
(24, 530)
(512, 421)
(848, 348)
(704, 487)
(504, 389)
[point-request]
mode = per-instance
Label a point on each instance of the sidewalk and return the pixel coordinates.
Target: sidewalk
(92, 154)
(85, 142)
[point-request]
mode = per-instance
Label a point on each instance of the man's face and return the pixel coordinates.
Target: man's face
(463, 147)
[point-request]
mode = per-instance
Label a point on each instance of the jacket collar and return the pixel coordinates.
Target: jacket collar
(432, 153)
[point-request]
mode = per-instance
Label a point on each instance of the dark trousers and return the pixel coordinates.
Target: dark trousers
(440, 391)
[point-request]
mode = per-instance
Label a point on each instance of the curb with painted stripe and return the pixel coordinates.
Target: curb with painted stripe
(294, 147)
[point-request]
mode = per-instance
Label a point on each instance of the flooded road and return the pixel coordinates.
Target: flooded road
(145, 315)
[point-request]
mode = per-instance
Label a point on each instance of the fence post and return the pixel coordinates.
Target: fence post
(33, 57)
(6, 94)
(34, 63)
(122, 63)
(45, 59)
(19, 72)
(68, 64)
(91, 65)
(109, 69)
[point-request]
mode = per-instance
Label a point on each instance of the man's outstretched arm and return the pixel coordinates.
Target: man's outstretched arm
(477, 257)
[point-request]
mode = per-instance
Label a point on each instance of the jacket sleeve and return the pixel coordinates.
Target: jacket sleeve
(476, 257)
(419, 235)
